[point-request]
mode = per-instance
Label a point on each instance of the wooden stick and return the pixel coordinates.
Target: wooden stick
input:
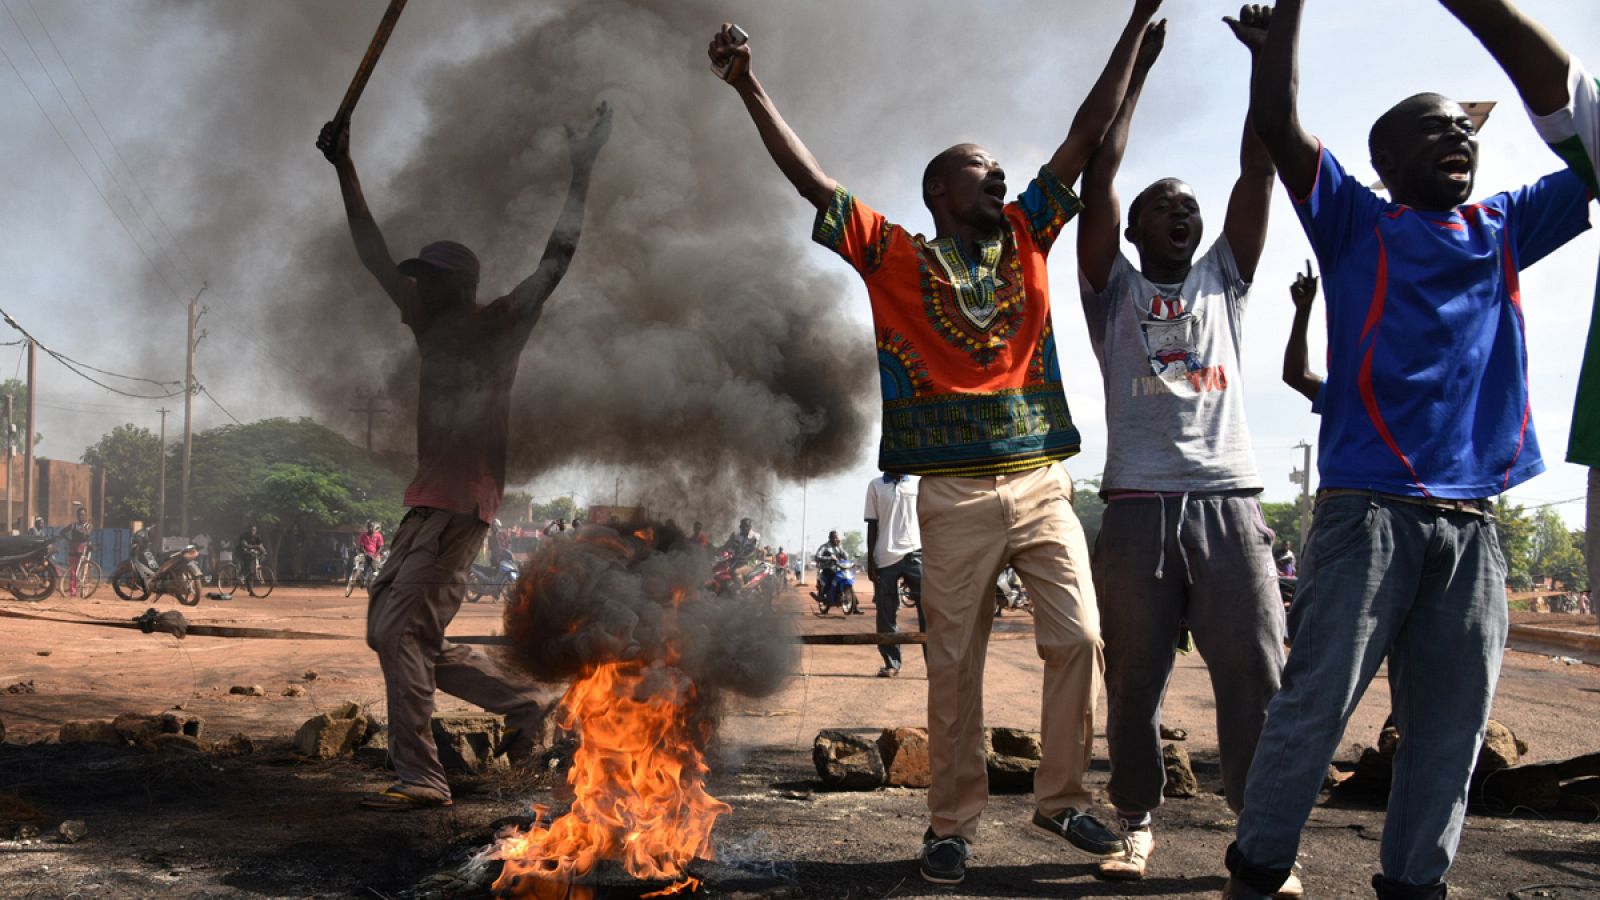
(854, 639)
(370, 61)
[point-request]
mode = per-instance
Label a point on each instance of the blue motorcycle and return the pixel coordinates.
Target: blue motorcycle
(836, 586)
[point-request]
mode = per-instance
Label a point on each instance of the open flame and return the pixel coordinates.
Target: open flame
(638, 783)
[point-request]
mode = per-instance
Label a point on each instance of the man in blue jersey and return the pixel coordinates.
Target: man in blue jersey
(1425, 416)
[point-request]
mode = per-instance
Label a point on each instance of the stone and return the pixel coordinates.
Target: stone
(294, 690)
(1012, 757)
(847, 763)
(90, 732)
(238, 745)
(177, 743)
(42, 652)
(1500, 750)
(1180, 776)
(22, 687)
(327, 736)
(469, 742)
(905, 757)
(375, 752)
(27, 832)
(72, 831)
(310, 675)
(182, 723)
(248, 690)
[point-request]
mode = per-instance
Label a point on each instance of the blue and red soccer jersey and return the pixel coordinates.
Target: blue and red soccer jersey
(1427, 389)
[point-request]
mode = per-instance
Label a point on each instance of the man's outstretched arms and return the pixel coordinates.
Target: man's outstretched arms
(1094, 117)
(1100, 224)
(1251, 201)
(334, 142)
(1296, 357)
(785, 147)
(1536, 64)
(1274, 100)
(528, 298)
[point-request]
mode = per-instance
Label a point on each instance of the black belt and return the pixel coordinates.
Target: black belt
(1481, 508)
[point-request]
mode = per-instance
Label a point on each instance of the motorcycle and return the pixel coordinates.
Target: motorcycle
(176, 574)
(836, 586)
(361, 575)
(26, 567)
(1009, 592)
(760, 581)
(495, 582)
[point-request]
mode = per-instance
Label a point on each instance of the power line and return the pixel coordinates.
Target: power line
(69, 364)
(213, 399)
(172, 238)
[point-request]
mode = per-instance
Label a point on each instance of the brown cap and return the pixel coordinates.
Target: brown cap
(447, 256)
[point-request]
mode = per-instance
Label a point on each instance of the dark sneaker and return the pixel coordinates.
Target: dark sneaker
(888, 672)
(944, 860)
(1083, 831)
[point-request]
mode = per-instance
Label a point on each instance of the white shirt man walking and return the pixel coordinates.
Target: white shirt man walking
(895, 556)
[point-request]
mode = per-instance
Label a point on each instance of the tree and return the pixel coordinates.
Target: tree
(1516, 543)
(1556, 551)
(1089, 506)
(1284, 520)
(854, 544)
(557, 508)
(130, 456)
(18, 392)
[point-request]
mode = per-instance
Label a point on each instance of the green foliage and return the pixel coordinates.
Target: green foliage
(130, 457)
(854, 544)
(18, 392)
(1088, 506)
(285, 473)
(1557, 552)
(557, 508)
(1284, 520)
(1515, 531)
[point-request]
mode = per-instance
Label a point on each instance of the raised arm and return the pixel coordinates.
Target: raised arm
(1274, 99)
(785, 147)
(1251, 201)
(1536, 64)
(1094, 117)
(1100, 224)
(334, 142)
(528, 298)
(1296, 358)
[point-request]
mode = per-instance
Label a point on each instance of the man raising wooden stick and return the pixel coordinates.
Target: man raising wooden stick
(469, 363)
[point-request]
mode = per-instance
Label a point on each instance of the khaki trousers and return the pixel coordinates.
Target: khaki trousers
(971, 528)
(413, 600)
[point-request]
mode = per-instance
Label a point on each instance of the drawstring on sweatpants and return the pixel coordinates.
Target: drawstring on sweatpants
(1177, 533)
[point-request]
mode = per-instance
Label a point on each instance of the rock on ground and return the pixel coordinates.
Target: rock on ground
(1180, 775)
(847, 763)
(905, 757)
(469, 742)
(1013, 757)
(333, 734)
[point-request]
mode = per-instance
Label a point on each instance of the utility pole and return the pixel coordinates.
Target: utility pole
(161, 484)
(11, 454)
(190, 386)
(370, 409)
(1302, 477)
(27, 439)
(805, 480)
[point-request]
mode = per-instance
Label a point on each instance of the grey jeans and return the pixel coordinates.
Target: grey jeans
(1201, 559)
(1426, 589)
(413, 600)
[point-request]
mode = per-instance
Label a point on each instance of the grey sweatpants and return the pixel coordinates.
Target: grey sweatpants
(1204, 559)
(413, 600)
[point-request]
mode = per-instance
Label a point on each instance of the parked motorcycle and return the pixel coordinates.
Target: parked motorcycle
(760, 581)
(176, 574)
(1009, 592)
(495, 582)
(361, 574)
(836, 586)
(26, 567)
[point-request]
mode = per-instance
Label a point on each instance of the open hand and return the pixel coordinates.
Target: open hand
(334, 141)
(1146, 8)
(583, 148)
(1155, 37)
(723, 50)
(1251, 26)
(1304, 290)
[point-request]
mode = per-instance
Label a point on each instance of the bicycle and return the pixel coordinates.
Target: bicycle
(361, 573)
(89, 574)
(258, 579)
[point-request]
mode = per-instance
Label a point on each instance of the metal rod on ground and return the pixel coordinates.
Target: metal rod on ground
(369, 61)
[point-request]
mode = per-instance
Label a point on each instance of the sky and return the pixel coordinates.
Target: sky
(206, 112)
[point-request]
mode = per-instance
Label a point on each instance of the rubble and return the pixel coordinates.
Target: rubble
(333, 734)
(375, 752)
(1013, 757)
(1501, 750)
(847, 763)
(141, 729)
(238, 745)
(905, 757)
(294, 690)
(89, 732)
(1180, 775)
(310, 675)
(72, 831)
(177, 743)
(248, 690)
(22, 687)
(469, 742)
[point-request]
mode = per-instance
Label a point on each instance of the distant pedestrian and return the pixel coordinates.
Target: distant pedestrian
(894, 555)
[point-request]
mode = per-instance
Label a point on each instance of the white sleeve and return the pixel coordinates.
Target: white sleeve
(871, 512)
(1574, 131)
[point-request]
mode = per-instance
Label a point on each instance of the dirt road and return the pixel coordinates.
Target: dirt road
(270, 824)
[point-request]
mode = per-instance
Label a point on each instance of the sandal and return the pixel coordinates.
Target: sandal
(400, 798)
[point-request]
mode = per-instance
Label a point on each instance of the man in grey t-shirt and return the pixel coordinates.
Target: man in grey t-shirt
(1182, 541)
